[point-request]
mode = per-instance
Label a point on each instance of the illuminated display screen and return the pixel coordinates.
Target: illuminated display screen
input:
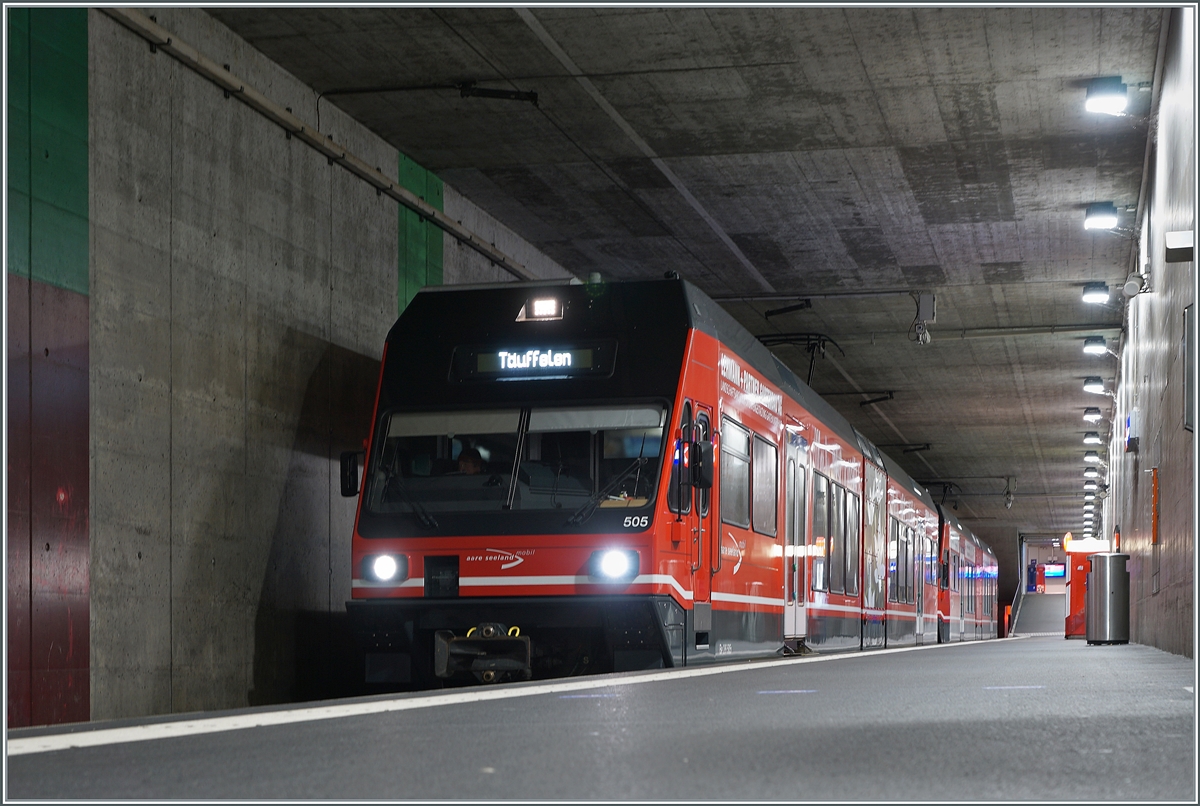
(1056, 570)
(534, 360)
(505, 362)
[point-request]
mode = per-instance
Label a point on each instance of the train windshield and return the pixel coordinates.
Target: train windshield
(531, 459)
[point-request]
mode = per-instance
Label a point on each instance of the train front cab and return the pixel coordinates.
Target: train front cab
(561, 548)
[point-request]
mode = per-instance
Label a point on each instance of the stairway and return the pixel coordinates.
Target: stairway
(1040, 614)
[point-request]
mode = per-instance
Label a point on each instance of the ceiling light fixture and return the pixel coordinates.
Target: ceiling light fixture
(1095, 345)
(1092, 414)
(1091, 438)
(1090, 485)
(1091, 472)
(1093, 384)
(1089, 497)
(1100, 215)
(1106, 95)
(1091, 456)
(1089, 507)
(1096, 293)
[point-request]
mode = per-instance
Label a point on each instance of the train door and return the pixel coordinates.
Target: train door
(962, 597)
(687, 504)
(874, 558)
(918, 562)
(795, 614)
(702, 562)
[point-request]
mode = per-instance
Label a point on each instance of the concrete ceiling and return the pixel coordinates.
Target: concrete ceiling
(855, 155)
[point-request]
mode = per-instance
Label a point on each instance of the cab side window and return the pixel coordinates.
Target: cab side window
(677, 491)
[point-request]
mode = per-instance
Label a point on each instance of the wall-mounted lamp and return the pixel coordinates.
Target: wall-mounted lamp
(1091, 438)
(1095, 293)
(1100, 215)
(1106, 95)
(1095, 345)
(1179, 246)
(1134, 285)
(1093, 384)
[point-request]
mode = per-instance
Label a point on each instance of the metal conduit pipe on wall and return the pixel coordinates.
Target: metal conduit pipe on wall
(161, 39)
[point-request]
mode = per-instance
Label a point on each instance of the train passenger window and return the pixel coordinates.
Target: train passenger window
(820, 532)
(765, 471)
(853, 540)
(735, 474)
(836, 558)
(892, 558)
(702, 433)
(676, 489)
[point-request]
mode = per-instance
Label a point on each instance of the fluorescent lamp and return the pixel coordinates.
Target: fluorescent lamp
(1106, 95)
(1091, 438)
(1095, 345)
(1096, 293)
(1093, 384)
(1101, 215)
(1092, 414)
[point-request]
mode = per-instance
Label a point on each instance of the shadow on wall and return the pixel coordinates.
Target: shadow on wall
(303, 648)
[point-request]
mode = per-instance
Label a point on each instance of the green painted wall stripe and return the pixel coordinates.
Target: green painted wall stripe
(48, 145)
(420, 243)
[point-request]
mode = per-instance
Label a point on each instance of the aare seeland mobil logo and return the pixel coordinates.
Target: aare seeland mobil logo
(507, 559)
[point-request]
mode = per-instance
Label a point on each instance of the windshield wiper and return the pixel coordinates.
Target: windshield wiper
(585, 511)
(423, 517)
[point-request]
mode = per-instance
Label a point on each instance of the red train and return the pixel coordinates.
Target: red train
(576, 478)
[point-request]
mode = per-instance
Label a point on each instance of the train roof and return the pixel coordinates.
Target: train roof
(967, 534)
(896, 472)
(709, 317)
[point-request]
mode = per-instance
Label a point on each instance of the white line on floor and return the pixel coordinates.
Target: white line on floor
(217, 724)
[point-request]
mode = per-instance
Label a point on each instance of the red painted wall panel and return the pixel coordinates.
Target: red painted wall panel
(48, 562)
(18, 567)
(59, 494)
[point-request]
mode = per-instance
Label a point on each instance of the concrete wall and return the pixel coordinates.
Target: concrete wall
(241, 291)
(1151, 380)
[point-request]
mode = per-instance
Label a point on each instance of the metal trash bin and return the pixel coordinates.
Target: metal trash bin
(1106, 604)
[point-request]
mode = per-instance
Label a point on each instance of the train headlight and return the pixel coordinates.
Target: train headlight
(386, 567)
(614, 565)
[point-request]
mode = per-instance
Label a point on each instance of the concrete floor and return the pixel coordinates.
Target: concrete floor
(1035, 718)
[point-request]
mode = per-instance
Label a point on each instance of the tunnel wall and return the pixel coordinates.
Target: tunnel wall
(241, 289)
(1152, 380)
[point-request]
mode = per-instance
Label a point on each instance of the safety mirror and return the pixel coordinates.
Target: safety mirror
(350, 473)
(701, 454)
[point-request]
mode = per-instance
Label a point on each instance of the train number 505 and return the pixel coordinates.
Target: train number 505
(637, 521)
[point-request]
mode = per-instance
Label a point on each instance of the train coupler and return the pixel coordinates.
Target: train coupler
(490, 652)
